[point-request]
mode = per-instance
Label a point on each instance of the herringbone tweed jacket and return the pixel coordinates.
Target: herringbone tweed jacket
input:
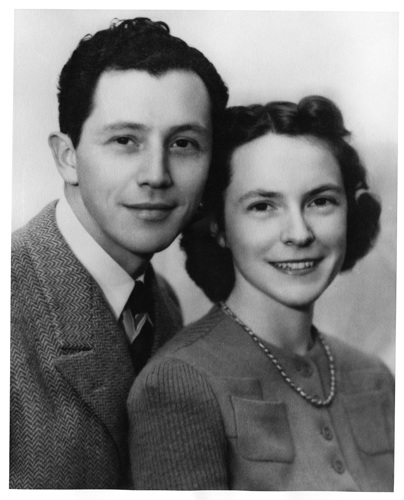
(70, 366)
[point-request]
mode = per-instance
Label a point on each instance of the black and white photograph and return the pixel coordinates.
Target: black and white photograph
(204, 249)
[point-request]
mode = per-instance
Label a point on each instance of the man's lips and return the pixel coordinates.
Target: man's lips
(153, 211)
(151, 206)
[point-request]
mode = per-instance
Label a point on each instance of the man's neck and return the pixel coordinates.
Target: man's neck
(135, 265)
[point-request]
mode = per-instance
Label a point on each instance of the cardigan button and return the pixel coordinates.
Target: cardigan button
(338, 466)
(327, 433)
(303, 367)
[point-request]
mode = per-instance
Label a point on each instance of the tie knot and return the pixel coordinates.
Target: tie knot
(137, 301)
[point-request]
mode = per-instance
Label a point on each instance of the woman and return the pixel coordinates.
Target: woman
(252, 396)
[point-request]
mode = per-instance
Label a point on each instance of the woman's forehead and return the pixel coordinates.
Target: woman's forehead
(283, 162)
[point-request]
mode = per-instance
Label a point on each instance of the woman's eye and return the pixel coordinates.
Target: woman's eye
(261, 207)
(323, 202)
(124, 141)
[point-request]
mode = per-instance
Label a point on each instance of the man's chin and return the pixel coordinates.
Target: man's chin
(152, 247)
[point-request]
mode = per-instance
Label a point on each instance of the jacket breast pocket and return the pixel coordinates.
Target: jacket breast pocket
(262, 429)
(371, 417)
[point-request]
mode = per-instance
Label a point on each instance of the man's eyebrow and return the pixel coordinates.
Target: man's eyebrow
(187, 127)
(112, 127)
(192, 127)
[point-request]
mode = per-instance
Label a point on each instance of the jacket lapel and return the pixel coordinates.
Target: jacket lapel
(92, 351)
(166, 310)
(102, 375)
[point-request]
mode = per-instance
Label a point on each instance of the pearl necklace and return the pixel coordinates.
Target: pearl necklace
(313, 400)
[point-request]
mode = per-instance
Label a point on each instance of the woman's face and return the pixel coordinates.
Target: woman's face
(285, 219)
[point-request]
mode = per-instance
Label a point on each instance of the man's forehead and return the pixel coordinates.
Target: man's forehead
(143, 82)
(176, 97)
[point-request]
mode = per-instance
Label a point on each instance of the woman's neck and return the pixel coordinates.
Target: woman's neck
(283, 326)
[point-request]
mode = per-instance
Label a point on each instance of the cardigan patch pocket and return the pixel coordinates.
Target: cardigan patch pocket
(263, 432)
(368, 417)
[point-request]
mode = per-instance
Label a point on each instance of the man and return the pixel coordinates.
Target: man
(138, 114)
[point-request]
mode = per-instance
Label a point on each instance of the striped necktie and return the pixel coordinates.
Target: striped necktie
(141, 345)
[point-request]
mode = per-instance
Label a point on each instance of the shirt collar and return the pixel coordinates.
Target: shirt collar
(115, 283)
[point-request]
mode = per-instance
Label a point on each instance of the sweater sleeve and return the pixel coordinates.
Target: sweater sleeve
(176, 437)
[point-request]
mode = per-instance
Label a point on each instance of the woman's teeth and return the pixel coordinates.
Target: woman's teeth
(294, 266)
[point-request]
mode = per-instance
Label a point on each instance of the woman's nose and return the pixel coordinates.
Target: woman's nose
(296, 230)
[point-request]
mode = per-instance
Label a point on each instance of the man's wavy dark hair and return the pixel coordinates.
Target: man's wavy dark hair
(139, 44)
(210, 265)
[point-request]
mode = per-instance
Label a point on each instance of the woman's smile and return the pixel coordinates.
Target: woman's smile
(296, 267)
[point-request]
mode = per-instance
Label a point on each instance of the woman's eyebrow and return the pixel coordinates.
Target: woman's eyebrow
(326, 187)
(260, 193)
(276, 195)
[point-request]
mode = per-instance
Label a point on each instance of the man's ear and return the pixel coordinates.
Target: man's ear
(217, 235)
(64, 155)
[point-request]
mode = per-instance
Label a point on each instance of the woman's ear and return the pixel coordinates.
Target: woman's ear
(64, 155)
(218, 236)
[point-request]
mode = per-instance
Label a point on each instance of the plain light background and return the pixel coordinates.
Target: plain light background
(350, 57)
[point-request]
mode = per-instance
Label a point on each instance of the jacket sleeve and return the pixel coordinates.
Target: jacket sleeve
(176, 437)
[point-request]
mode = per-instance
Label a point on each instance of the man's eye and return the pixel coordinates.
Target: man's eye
(124, 141)
(185, 144)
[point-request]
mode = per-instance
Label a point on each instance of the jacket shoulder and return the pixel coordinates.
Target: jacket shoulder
(166, 287)
(38, 249)
(40, 228)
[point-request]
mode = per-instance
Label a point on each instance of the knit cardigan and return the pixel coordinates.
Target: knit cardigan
(211, 411)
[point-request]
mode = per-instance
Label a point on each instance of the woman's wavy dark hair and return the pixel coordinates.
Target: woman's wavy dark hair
(210, 265)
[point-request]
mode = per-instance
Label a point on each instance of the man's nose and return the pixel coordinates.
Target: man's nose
(296, 229)
(154, 170)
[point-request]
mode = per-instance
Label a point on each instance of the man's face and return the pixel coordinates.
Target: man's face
(142, 161)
